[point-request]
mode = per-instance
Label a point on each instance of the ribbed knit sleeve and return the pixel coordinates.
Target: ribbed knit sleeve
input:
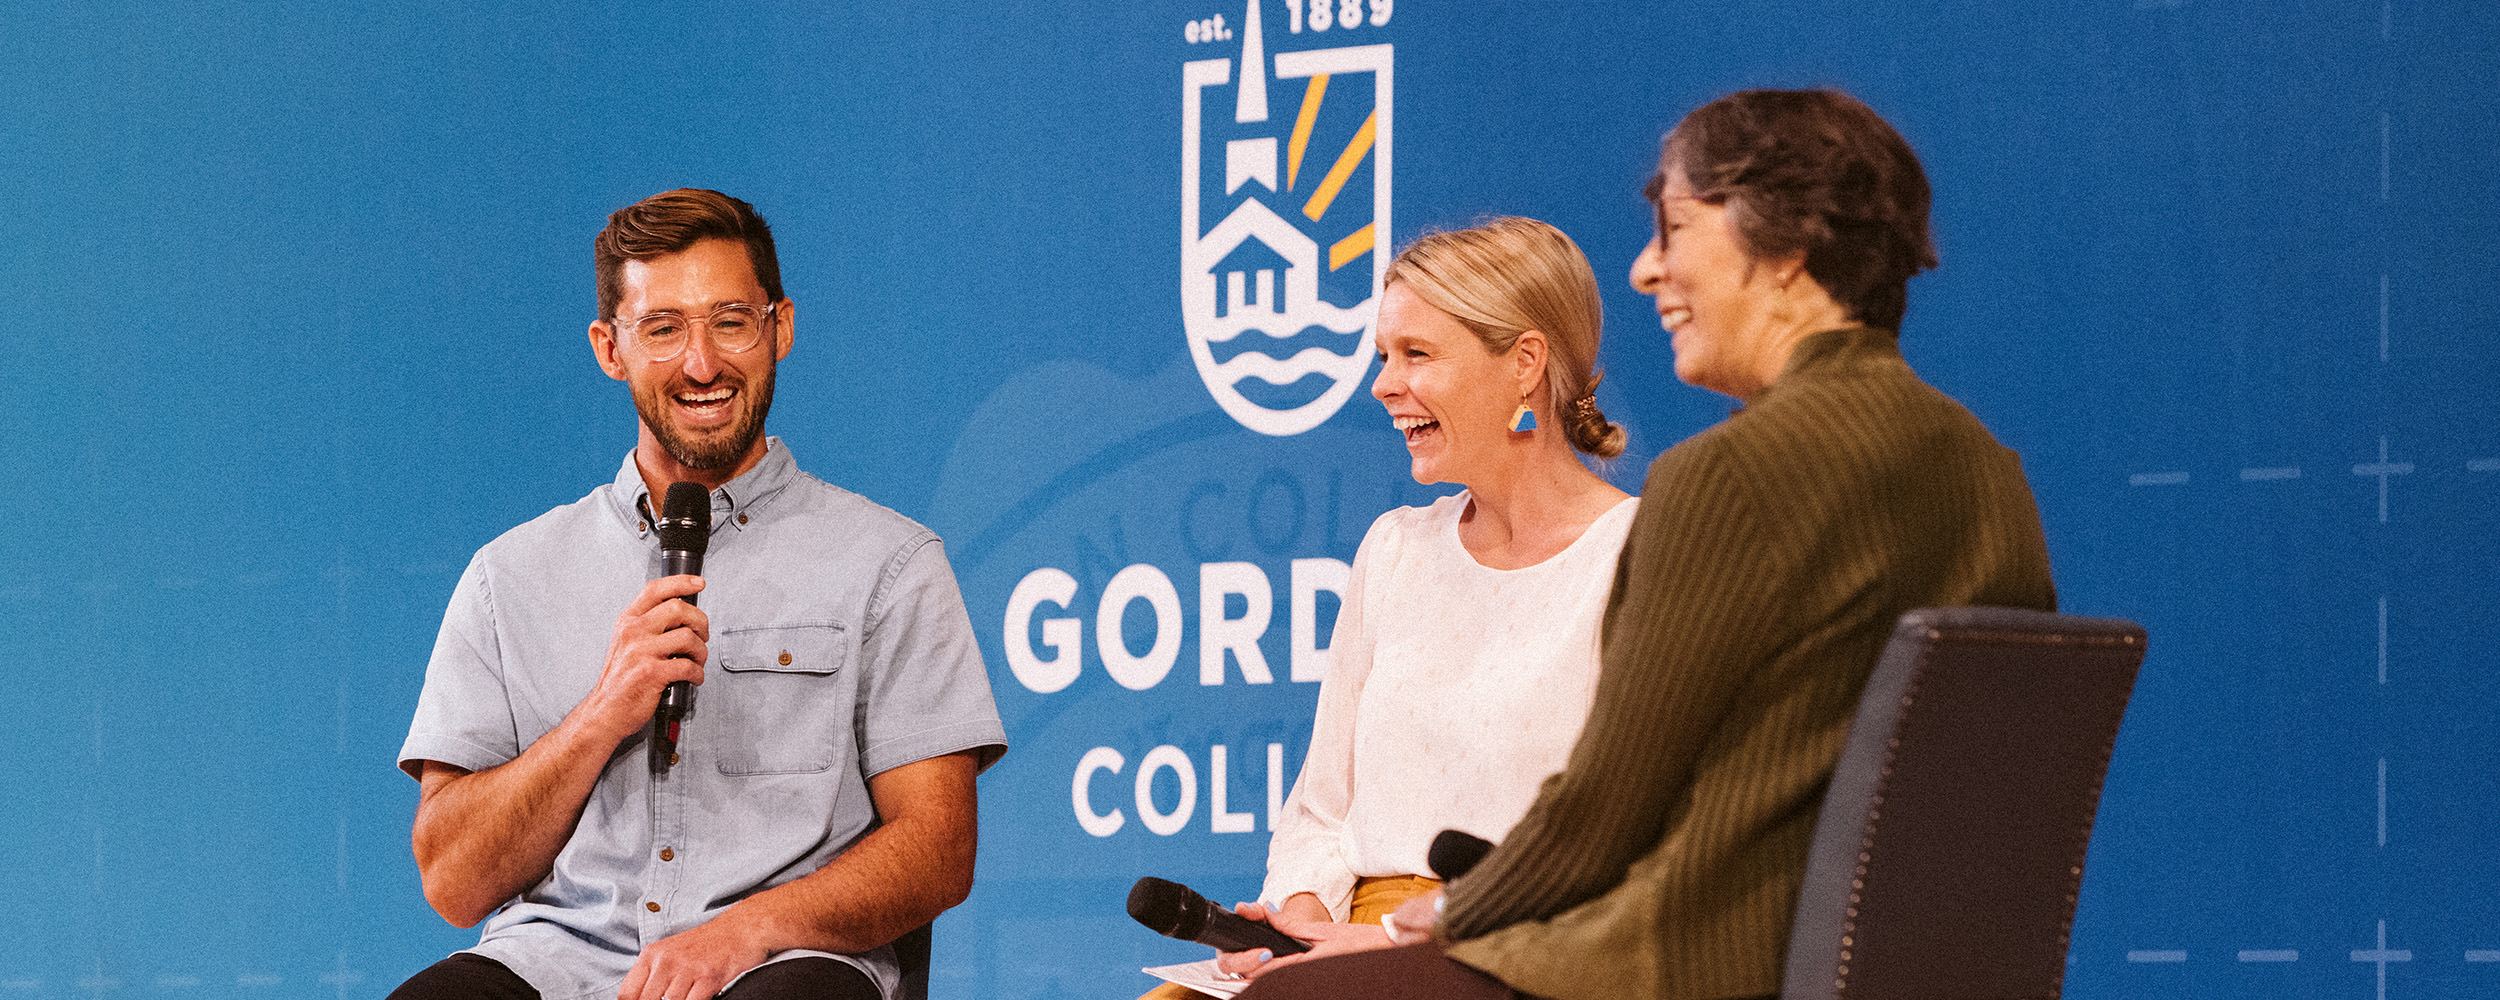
(1767, 564)
(1696, 547)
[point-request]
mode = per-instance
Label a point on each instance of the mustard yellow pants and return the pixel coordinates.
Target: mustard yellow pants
(1373, 897)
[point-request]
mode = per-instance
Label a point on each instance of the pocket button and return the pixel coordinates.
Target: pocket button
(785, 657)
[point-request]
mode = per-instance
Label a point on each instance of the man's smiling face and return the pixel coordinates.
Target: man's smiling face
(705, 407)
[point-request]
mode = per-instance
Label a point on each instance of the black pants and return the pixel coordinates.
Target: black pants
(477, 977)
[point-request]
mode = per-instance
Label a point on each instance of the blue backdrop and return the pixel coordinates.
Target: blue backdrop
(295, 310)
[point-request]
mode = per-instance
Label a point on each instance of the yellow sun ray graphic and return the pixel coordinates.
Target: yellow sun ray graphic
(1302, 123)
(1326, 193)
(1344, 251)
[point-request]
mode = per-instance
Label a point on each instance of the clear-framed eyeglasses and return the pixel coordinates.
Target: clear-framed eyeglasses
(735, 329)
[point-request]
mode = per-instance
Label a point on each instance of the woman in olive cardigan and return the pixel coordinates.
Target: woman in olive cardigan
(1768, 562)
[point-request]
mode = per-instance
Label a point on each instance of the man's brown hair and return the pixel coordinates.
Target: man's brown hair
(671, 222)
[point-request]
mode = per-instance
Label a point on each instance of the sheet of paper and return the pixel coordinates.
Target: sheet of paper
(1199, 976)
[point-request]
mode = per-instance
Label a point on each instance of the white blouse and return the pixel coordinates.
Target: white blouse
(1452, 692)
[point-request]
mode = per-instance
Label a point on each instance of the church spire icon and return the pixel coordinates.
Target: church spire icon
(1264, 297)
(1251, 103)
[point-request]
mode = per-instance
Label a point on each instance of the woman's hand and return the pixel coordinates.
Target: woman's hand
(1326, 937)
(1413, 920)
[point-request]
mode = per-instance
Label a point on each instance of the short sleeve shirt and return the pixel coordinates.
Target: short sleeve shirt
(840, 649)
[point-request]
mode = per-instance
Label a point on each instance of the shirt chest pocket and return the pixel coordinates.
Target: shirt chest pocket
(782, 700)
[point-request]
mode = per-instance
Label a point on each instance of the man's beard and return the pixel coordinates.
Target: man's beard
(720, 451)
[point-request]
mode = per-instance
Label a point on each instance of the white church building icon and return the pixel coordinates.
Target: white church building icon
(1256, 271)
(1247, 277)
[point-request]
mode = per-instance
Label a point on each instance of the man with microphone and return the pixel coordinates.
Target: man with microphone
(818, 800)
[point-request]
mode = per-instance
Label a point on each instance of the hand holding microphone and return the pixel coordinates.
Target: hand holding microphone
(661, 639)
(685, 527)
(1172, 910)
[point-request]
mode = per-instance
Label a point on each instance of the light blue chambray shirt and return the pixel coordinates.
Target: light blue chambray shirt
(840, 649)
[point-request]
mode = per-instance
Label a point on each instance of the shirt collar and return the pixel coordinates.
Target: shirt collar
(1826, 348)
(732, 503)
(1814, 350)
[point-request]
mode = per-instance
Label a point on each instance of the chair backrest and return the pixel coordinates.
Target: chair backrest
(1951, 843)
(911, 952)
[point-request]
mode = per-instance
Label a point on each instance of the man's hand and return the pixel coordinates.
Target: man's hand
(481, 839)
(1326, 938)
(912, 867)
(696, 964)
(658, 639)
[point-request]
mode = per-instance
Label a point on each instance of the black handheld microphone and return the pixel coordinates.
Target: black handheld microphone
(1455, 852)
(685, 531)
(1170, 909)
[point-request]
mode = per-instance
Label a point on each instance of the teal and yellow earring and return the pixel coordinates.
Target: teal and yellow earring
(1523, 420)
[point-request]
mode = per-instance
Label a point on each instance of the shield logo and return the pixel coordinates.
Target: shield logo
(1278, 294)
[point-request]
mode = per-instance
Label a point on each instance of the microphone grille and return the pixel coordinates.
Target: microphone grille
(1158, 903)
(1455, 852)
(686, 518)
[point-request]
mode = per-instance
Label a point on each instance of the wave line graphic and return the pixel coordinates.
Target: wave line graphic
(1282, 371)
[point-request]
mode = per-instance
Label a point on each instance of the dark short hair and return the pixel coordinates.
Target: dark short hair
(1815, 171)
(671, 222)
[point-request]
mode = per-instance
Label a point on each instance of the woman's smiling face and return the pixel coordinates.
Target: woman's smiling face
(1715, 299)
(1444, 390)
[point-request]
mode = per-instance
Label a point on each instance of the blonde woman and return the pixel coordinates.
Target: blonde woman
(1465, 653)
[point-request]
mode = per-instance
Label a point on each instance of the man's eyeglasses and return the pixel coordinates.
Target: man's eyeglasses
(661, 336)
